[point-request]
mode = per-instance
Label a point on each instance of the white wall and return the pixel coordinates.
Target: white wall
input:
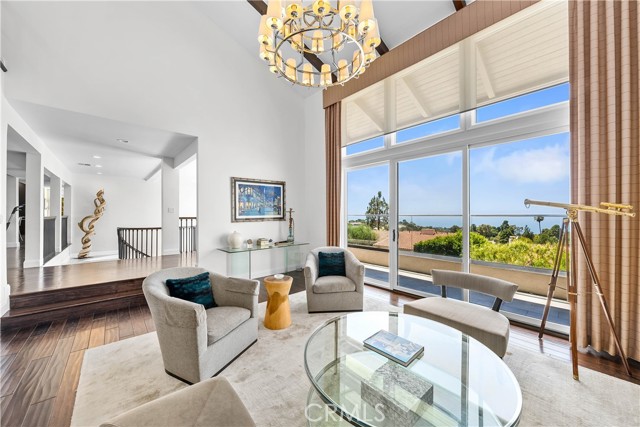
(130, 202)
(10, 118)
(170, 207)
(189, 189)
(194, 78)
(314, 170)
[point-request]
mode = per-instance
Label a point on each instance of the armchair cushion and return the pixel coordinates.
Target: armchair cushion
(222, 320)
(331, 264)
(196, 289)
(331, 284)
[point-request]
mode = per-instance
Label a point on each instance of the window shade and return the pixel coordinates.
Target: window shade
(365, 114)
(523, 53)
(430, 90)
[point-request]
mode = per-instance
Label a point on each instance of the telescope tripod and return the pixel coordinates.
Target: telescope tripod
(563, 248)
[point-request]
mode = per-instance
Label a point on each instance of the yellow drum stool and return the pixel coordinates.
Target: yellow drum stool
(278, 314)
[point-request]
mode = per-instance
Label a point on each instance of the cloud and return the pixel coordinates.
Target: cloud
(540, 165)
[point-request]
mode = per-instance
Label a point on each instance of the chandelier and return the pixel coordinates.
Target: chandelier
(319, 45)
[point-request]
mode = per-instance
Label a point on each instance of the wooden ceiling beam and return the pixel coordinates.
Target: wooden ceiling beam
(382, 48)
(259, 5)
(459, 4)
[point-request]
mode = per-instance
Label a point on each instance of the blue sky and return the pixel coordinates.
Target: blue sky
(501, 176)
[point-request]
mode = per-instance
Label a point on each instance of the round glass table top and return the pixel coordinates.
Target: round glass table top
(457, 381)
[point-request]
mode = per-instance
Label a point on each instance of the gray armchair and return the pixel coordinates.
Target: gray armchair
(195, 343)
(334, 293)
(485, 324)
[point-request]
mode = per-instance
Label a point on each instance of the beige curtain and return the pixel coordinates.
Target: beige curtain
(333, 145)
(605, 165)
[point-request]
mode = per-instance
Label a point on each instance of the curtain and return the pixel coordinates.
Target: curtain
(333, 146)
(605, 161)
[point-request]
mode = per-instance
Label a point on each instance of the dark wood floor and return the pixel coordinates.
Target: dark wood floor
(40, 365)
(37, 279)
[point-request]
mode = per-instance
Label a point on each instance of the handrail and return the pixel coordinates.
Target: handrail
(139, 242)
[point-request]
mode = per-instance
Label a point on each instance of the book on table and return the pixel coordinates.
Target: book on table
(396, 348)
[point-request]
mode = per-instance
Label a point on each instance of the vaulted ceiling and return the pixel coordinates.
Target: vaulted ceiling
(84, 74)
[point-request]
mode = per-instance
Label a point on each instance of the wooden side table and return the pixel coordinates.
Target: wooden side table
(278, 314)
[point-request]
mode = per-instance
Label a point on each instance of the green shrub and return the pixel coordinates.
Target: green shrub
(360, 232)
(519, 252)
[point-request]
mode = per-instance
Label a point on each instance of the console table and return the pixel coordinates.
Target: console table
(288, 248)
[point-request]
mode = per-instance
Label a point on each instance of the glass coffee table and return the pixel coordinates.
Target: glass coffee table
(456, 382)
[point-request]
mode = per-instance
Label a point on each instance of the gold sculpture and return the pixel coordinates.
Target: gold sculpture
(99, 203)
(571, 220)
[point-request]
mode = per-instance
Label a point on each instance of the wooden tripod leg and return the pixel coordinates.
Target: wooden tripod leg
(554, 275)
(572, 292)
(603, 301)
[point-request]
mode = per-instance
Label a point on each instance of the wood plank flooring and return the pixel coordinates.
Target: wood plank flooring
(40, 365)
(37, 279)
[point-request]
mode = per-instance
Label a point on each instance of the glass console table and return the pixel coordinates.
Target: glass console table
(289, 250)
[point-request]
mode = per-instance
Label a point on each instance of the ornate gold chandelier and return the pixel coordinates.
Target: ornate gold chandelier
(340, 41)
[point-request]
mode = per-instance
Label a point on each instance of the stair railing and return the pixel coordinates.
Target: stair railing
(139, 242)
(188, 232)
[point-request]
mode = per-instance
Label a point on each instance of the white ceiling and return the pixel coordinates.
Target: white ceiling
(82, 74)
(77, 138)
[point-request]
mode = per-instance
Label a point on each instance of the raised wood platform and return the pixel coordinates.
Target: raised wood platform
(53, 293)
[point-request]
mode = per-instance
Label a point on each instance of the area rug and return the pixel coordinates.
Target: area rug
(270, 379)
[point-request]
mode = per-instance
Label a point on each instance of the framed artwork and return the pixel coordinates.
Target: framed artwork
(257, 200)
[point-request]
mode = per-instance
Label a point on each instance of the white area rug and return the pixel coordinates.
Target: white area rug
(270, 379)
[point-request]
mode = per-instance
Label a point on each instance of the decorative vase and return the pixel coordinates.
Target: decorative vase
(235, 240)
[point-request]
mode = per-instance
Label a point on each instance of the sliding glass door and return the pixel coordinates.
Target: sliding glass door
(367, 220)
(429, 220)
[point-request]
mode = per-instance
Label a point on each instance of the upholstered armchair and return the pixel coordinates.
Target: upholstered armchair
(334, 293)
(485, 324)
(196, 344)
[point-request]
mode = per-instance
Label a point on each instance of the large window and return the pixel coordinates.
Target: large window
(454, 145)
(413, 212)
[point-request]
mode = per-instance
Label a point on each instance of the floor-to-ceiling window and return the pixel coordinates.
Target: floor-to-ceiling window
(440, 158)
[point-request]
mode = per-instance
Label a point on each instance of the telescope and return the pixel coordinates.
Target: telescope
(605, 207)
(572, 289)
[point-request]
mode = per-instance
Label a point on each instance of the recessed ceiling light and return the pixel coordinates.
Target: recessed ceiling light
(97, 157)
(124, 141)
(99, 173)
(98, 166)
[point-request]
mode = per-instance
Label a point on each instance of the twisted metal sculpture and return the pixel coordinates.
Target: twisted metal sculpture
(88, 228)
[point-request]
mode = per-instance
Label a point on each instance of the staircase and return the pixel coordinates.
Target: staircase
(30, 308)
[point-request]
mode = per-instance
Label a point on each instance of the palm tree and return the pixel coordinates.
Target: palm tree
(539, 219)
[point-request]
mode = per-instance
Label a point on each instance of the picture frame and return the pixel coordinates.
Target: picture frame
(257, 200)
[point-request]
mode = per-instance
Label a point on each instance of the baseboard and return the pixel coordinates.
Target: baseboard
(98, 253)
(30, 263)
(175, 251)
(13, 244)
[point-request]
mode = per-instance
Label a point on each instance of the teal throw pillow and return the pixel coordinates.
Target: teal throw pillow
(331, 264)
(195, 289)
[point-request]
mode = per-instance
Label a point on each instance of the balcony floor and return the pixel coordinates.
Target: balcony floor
(518, 306)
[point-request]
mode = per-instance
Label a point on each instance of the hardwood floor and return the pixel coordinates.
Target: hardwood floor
(40, 365)
(38, 279)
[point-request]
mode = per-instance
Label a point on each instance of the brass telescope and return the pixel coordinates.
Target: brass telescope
(605, 207)
(571, 221)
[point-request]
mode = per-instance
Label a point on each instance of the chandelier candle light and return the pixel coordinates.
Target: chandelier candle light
(342, 34)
